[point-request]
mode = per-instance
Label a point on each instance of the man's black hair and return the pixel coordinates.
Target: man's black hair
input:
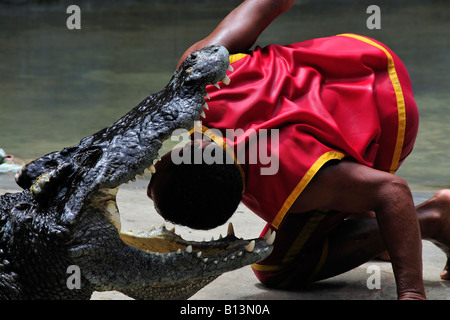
(199, 196)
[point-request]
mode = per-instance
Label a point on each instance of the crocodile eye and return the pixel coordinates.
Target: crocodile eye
(189, 70)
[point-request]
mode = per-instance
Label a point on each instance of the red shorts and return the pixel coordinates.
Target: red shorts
(301, 244)
(300, 249)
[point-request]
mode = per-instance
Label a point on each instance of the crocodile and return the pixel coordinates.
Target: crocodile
(60, 237)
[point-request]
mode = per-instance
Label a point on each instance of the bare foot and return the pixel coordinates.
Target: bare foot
(435, 226)
(445, 275)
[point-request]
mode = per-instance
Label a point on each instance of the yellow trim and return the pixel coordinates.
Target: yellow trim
(221, 143)
(237, 56)
(297, 245)
(303, 236)
(330, 155)
(399, 96)
(289, 280)
(266, 267)
(321, 263)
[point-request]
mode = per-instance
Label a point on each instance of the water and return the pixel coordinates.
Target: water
(59, 85)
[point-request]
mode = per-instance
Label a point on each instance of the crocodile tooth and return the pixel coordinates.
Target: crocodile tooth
(206, 106)
(189, 249)
(239, 253)
(230, 68)
(199, 254)
(230, 231)
(250, 246)
(271, 239)
(111, 207)
(133, 179)
(226, 80)
(152, 169)
(216, 262)
(205, 260)
(179, 251)
(203, 115)
(225, 259)
(207, 96)
(216, 85)
(173, 229)
(268, 234)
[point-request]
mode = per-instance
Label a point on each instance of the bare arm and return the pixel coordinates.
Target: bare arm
(355, 188)
(242, 26)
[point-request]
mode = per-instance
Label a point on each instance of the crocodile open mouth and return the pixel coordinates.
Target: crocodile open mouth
(225, 253)
(164, 241)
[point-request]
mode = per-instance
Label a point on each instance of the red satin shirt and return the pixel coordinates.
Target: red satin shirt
(329, 98)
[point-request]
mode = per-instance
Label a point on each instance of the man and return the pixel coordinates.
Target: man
(342, 113)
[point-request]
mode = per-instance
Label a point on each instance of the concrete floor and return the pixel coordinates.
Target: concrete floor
(137, 214)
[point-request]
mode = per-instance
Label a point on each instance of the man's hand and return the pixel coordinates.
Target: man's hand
(242, 26)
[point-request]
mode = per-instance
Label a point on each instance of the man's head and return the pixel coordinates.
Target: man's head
(200, 196)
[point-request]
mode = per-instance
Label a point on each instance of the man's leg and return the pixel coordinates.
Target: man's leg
(356, 241)
(434, 219)
(317, 245)
(351, 187)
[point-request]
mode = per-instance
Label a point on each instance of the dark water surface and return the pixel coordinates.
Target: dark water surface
(59, 85)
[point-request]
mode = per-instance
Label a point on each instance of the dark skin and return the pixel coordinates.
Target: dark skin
(347, 186)
(242, 27)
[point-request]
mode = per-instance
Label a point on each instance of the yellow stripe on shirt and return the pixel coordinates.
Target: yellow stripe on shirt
(330, 155)
(398, 94)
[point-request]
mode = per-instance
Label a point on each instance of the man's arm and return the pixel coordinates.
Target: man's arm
(355, 188)
(242, 26)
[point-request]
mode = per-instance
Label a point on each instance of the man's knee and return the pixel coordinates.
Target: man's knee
(392, 190)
